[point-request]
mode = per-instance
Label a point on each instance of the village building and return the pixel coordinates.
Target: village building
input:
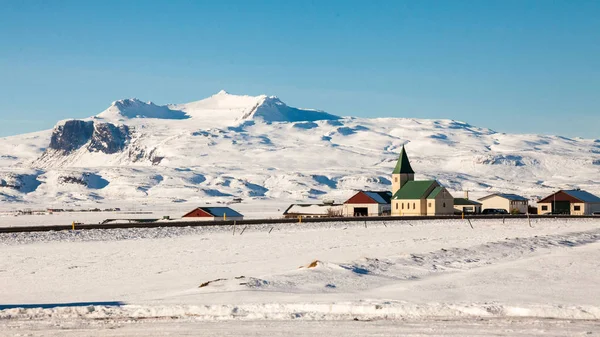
(465, 205)
(573, 202)
(324, 210)
(212, 214)
(368, 203)
(417, 198)
(512, 203)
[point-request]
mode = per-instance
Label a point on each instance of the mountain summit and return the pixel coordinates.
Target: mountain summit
(222, 107)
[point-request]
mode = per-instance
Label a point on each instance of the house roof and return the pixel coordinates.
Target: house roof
(370, 197)
(580, 195)
(583, 195)
(381, 197)
(435, 192)
(403, 165)
(218, 211)
(464, 201)
(507, 196)
(415, 189)
(309, 208)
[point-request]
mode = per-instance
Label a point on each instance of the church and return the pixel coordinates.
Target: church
(412, 197)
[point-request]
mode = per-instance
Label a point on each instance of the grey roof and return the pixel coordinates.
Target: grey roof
(220, 211)
(380, 197)
(508, 196)
(582, 195)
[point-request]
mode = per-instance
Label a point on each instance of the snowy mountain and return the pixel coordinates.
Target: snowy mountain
(257, 147)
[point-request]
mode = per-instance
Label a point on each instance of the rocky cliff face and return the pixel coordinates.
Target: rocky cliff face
(71, 135)
(97, 137)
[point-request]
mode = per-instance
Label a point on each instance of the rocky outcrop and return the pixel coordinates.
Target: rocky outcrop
(71, 135)
(108, 138)
(99, 137)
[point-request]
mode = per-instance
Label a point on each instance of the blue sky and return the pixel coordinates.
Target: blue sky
(513, 66)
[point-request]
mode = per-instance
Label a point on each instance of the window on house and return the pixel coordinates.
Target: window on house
(402, 205)
(395, 179)
(414, 207)
(429, 205)
(444, 205)
(396, 205)
(577, 208)
(408, 205)
(544, 208)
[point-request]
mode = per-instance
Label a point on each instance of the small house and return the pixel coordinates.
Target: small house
(573, 202)
(368, 203)
(324, 210)
(213, 214)
(465, 205)
(512, 203)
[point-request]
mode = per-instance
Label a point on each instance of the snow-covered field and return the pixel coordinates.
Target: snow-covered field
(422, 278)
(266, 209)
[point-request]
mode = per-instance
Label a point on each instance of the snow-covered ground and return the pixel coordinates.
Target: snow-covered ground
(263, 209)
(497, 277)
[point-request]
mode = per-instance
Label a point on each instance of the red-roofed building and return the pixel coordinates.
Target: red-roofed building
(368, 203)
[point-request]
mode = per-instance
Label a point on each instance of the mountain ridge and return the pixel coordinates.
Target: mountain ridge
(257, 147)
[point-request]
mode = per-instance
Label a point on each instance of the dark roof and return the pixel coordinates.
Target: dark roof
(381, 197)
(220, 211)
(508, 196)
(403, 165)
(435, 192)
(464, 201)
(582, 195)
(415, 189)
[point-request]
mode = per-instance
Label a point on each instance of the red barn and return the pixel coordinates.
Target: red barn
(369, 203)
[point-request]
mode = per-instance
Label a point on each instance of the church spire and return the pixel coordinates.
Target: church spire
(403, 165)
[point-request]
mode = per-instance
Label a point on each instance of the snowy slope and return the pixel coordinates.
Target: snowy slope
(257, 147)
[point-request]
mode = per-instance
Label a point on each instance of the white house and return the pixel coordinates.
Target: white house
(510, 202)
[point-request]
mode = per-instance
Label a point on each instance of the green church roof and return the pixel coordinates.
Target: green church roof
(435, 192)
(414, 189)
(403, 165)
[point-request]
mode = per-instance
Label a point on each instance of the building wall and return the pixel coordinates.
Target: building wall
(579, 206)
(521, 206)
(461, 208)
(416, 207)
(398, 180)
(495, 202)
(373, 209)
(444, 203)
(591, 208)
(385, 209)
(198, 213)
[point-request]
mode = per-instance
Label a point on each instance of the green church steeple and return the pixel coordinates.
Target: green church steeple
(403, 165)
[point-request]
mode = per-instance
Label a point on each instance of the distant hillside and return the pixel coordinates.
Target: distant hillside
(229, 146)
